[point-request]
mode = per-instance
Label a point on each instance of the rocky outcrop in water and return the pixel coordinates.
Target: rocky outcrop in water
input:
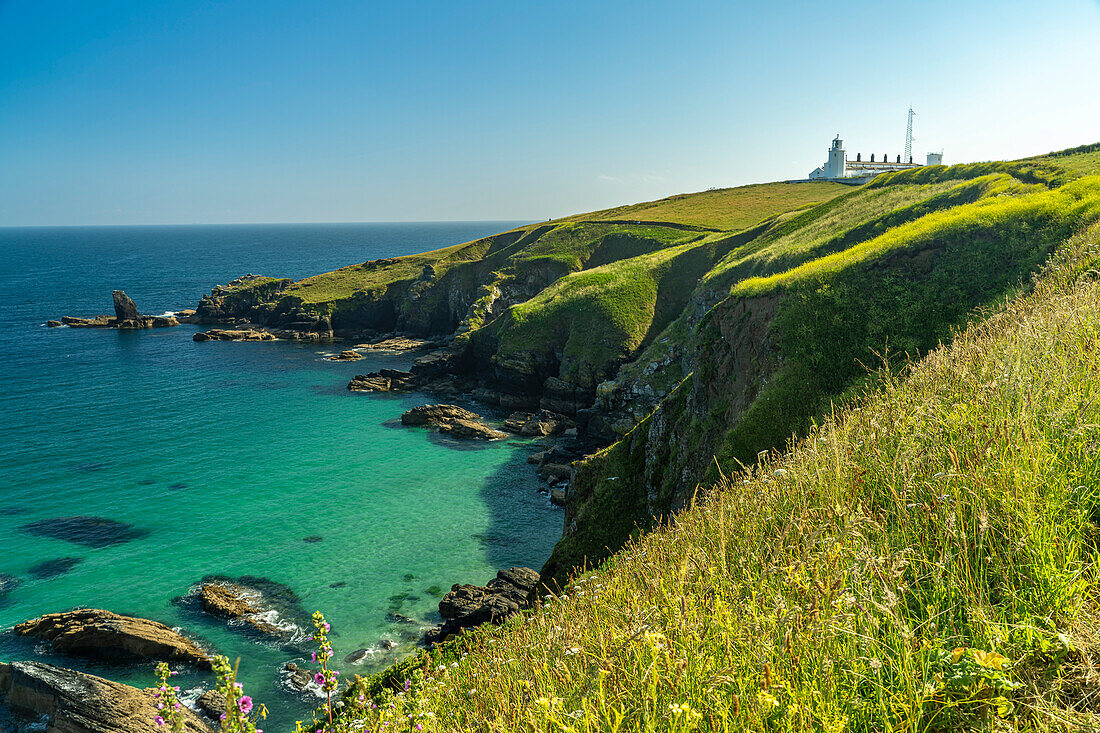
(384, 380)
(233, 602)
(452, 420)
(346, 355)
(398, 343)
(110, 636)
(126, 317)
(542, 422)
(212, 704)
(261, 605)
(465, 606)
(471, 430)
(125, 310)
(222, 334)
(74, 702)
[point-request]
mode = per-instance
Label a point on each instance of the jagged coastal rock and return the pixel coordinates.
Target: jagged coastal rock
(259, 604)
(346, 355)
(398, 343)
(234, 602)
(110, 636)
(125, 310)
(511, 591)
(436, 415)
(212, 704)
(126, 317)
(221, 334)
(543, 422)
(384, 380)
(74, 702)
(452, 420)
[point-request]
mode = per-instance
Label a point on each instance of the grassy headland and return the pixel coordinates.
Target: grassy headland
(855, 485)
(923, 560)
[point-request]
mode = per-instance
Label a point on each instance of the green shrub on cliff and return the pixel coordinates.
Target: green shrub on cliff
(923, 561)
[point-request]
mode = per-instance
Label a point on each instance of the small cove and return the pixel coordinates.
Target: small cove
(231, 459)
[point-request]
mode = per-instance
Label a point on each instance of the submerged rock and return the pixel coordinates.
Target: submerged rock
(106, 635)
(75, 702)
(465, 606)
(54, 568)
(8, 583)
(88, 531)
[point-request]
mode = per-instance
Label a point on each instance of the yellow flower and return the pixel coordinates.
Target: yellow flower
(685, 710)
(991, 660)
(957, 654)
(767, 701)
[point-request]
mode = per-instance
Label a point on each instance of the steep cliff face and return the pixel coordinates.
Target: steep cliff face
(772, 356)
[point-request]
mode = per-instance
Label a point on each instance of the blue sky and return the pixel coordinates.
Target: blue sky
(116, 112)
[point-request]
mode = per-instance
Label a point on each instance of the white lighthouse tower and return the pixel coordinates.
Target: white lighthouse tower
(837, 166)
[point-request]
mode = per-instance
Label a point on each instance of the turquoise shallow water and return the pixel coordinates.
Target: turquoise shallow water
(228, 455)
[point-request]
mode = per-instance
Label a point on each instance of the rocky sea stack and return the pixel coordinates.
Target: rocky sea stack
(126, 317)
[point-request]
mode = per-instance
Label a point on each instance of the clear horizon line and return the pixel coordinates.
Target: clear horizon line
(269, 223)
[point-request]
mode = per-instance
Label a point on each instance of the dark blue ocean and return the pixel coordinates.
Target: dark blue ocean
(224, 457)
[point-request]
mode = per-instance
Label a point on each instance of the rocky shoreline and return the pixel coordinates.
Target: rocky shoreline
(34, 688)
(70, 701)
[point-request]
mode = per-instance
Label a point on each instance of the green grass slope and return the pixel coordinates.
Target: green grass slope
(724, 209)
(924, 560)
(457, 287)
(772, 354)
(1084, 159)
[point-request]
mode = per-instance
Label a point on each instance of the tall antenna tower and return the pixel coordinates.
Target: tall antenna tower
(909, 136)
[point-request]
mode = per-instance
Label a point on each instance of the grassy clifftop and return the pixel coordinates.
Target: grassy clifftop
(723, 209)
(922, 561)
(777, 348)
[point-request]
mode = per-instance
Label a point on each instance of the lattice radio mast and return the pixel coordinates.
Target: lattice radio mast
(909, 137)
